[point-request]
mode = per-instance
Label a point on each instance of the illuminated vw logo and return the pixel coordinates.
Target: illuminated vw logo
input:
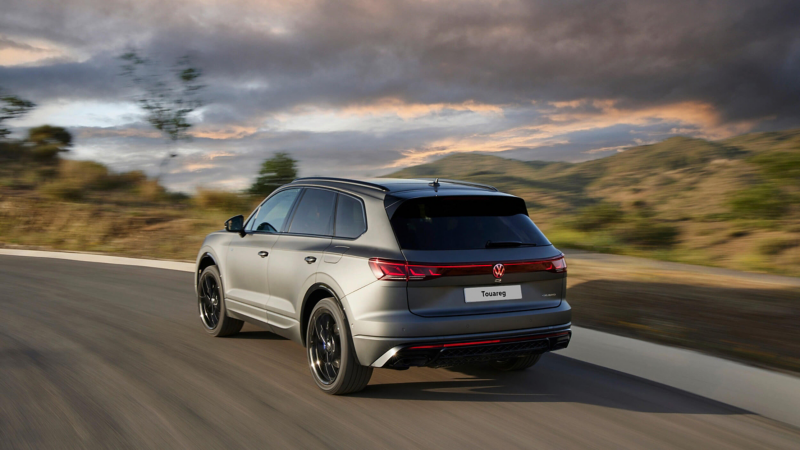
(498, 270)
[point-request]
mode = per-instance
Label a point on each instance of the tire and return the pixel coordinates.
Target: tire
(331, 355)
(518, 363)
(211, 305)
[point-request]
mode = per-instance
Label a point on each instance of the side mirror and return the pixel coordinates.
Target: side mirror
(235, 224)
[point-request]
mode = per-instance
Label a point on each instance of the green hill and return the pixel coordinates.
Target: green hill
(732, 203)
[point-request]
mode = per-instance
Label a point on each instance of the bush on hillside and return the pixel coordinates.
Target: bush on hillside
(774, 246)
(62, 190)
(648, 233)
(223, 200)
(763, 201)
(783, 166)
(597, 216)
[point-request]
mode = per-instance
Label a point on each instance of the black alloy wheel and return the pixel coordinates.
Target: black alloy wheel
(210, 302)
(324, 348)
(211, 305)
(331, 352)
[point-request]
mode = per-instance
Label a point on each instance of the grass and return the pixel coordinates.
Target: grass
(752, 321)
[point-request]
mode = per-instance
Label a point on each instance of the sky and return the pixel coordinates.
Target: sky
(364, 88)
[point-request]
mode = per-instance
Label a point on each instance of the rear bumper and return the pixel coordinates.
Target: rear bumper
(380, 321)
(478, 349)
(444, 351)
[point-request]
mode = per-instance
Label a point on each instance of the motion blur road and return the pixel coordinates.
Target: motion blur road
(98, 356)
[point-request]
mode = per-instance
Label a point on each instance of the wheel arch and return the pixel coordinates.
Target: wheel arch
(313, 295)
(207, 259)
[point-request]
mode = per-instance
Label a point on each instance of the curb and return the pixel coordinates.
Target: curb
(104, 259)
(770, 394)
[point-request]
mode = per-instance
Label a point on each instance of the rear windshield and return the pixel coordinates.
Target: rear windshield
(463, 223)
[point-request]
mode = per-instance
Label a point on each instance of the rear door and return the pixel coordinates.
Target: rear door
(476, 255)
(295, 257)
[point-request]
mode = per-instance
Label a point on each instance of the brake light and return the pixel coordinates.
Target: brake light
(404, 271)
(389, 270)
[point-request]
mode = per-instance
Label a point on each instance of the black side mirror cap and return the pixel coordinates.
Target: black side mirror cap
(235, 224)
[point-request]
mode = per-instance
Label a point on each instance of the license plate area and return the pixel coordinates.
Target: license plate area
(492, 293)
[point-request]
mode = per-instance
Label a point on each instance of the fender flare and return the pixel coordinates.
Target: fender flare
(313, 288)
(209, 253)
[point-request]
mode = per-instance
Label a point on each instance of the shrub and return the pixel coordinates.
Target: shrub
(780, 165)
(150, 190)
(776, 245)
(223, 200)
(83, 174)
(596, 216)
(647, 233)
(62, 190)
(763, 201)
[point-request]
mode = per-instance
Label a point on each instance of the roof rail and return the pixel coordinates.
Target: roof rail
(468, 183)
(344, 180)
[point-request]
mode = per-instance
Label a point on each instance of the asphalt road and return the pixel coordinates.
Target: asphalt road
(99, 356)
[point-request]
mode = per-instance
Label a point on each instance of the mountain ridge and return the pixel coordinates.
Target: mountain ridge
(735, 199)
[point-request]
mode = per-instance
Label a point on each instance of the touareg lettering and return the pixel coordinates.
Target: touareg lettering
(493, 293)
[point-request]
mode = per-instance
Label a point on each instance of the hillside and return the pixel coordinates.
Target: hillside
(732, 203)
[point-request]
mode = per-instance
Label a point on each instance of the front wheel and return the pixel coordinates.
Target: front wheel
(330, 351)
(211, 305)
(518, 363)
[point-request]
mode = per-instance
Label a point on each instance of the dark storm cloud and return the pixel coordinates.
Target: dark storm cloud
(622, 72)
(740, 56)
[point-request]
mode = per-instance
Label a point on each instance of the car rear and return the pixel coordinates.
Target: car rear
(473, 257)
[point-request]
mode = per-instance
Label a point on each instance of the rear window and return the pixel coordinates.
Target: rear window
(314, 214)
(463, 223)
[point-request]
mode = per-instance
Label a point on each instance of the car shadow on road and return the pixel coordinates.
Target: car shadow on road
(555, 379)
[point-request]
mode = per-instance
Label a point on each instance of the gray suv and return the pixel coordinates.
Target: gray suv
(388, 273)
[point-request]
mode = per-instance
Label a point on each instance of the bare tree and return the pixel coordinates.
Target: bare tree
(168, 97)
(13, 108)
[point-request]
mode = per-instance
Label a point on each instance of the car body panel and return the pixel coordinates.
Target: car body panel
(247, 271)
(290, 276)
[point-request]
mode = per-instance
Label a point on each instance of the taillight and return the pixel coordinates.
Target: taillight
(389, 270)
(559, 265)
(404, 271)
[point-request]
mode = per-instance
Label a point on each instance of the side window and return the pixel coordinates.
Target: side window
(314, 213)
(273, 212)
(350, 221)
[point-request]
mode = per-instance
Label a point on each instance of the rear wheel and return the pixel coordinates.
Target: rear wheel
(211, 305)
(518, 363)
(330, 351)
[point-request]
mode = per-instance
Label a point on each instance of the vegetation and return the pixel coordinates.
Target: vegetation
(13, 107)
(683, 199)
(50, 202)
(275, 172)
(725, 314)
(167, 98)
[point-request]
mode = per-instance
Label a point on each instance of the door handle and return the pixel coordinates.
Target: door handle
(263, 254)
(310, 259)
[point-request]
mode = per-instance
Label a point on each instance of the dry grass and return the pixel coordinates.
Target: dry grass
(738, 316)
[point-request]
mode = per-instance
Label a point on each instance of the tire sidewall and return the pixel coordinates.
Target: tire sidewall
(213, 272)
(330, 305)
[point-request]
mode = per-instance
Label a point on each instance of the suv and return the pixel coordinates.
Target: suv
(388, 273)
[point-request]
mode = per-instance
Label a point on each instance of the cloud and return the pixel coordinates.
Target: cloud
(417, 80)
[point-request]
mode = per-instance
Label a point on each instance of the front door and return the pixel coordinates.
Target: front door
(248, 256)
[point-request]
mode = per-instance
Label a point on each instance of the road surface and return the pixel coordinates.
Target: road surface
(100, 356)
